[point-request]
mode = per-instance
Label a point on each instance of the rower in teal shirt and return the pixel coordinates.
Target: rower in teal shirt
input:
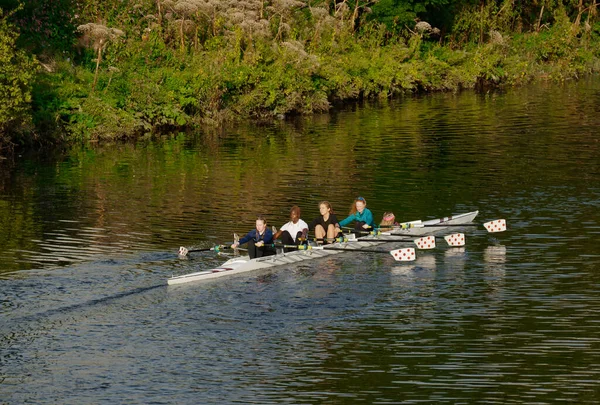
(361, 215)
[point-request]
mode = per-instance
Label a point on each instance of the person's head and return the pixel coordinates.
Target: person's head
(295, 214)
(388, 218)
(261, 224)
(359, 205)
(325, 208)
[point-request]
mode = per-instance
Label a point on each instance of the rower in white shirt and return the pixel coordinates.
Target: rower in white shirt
(293, 232)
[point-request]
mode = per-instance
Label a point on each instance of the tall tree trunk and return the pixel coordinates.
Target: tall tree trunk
(278, 36)
(539, 22)
(98, 59)
(354, 16)
(481, 24)
(577, 22)
(181, 33)
(213, 22)
(579, 13)
(159, 12)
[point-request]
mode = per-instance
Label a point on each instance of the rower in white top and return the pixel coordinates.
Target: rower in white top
(295, 231)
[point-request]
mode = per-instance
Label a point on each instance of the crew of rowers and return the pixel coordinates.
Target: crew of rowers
(295, 232)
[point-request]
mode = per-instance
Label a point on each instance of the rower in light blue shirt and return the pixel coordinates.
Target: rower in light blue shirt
(361, 215)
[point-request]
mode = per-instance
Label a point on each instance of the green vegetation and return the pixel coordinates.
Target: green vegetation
(117, 70)
(16, 75)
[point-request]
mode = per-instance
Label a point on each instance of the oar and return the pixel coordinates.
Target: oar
(401, 255)
(388, 237)
(346, 238)
(365, 232)
(427, 242)
(378, 231)
(183, 251)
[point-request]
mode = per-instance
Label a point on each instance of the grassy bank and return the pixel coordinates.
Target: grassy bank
(151, 75)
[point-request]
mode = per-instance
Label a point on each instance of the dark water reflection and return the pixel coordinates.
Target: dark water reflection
(87, 239)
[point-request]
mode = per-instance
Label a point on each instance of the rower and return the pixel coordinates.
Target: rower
(326, 225)
(260, 240)
(293, 232)
(388, 222)
(360, 214)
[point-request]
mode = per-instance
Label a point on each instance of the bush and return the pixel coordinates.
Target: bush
(16, 74)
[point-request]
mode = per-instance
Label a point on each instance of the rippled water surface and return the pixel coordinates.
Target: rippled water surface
(88, 238)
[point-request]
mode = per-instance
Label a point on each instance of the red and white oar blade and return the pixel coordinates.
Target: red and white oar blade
(183, 251)
(499, 225)
(404, 255)
(456, 239)
(426, 242)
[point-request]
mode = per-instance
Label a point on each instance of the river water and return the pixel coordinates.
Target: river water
(89, 236)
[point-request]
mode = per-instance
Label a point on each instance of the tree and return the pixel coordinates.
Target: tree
(45, 26)
(16, 74)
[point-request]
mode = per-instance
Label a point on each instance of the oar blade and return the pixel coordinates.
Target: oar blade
(455, 239)
(404, 255)
(426, 242)
(498, 225)
(183, 251)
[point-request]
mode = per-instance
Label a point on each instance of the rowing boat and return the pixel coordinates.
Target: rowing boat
(244, 264)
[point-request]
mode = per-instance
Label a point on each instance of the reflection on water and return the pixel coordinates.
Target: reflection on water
(495, 270)
(424, 262)
(455, 259)
(88, 238)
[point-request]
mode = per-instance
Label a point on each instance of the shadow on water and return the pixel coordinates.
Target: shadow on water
(84, 306)
(52, 316)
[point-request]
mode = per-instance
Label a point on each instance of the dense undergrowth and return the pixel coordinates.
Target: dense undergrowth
(142, 72)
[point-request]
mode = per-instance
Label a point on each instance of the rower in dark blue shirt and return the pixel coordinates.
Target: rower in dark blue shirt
(260, 240)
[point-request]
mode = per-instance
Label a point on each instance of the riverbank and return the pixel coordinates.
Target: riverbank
(153, 83)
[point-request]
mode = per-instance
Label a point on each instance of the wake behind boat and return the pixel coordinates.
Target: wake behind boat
(244, 263)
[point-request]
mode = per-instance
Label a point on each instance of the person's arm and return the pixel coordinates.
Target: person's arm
(304, 230)
(369, 220)
(245, 239)
(333, 219)
(346, 220)
(280, 231)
